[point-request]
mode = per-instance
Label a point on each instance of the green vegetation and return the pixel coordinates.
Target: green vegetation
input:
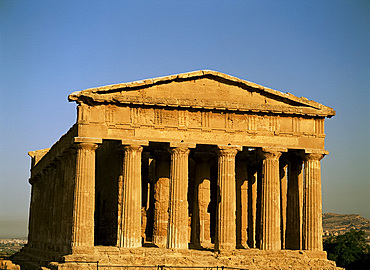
(349, 250)
(5, 253)
(8, 247)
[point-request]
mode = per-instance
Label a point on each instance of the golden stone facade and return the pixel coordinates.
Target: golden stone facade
(196, 161)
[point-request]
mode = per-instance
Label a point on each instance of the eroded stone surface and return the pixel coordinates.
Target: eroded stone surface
(244, 258)
(7, 264)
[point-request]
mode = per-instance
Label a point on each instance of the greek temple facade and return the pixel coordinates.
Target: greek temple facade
(198, 160)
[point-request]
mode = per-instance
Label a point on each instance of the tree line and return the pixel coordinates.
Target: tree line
(349, 250)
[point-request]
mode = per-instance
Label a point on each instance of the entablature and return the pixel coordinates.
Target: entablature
(116, 119)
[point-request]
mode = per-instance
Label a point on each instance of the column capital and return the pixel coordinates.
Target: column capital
(132, 148)
(34, 179)
(179, 150)
(312, 156)
(228, 150)
(270, 153)
(89, 146)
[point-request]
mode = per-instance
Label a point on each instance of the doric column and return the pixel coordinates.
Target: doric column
(294, 203)
(50, 199)
(47, 207)
(70, 158)
(33, 212)
(312, 203)
(84, 195)
(225, 228)
(55, 204)
(177, 236)
(270, 201)
(36, 210)
(61, 192)
(130, 229)
(43, 215)
(161, 198)
(241, 204)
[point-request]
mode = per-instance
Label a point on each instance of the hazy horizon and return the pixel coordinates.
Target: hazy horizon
(13, 229)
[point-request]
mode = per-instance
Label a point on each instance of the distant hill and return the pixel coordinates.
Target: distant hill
(335, 224)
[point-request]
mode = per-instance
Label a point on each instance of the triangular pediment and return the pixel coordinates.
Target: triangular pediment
(202, 90)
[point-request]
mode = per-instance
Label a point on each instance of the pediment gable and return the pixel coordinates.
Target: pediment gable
(202, 90)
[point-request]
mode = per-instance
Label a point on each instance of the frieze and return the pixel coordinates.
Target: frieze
(228, 121)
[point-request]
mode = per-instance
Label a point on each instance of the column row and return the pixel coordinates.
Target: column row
(52, 196)
(171, 227)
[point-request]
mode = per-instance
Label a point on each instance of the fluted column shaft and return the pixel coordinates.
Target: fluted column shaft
(270, 202)
(68, 198)
(84, 195)
(43, 213)
(241, 204)
(312, 203)
(38, 211)
(177, 236)
(225, 228)
(50, 195)
(33, 213)
(61, 208)
(56, 205)
(130, 233)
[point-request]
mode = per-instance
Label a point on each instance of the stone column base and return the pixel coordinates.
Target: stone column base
(244, 258)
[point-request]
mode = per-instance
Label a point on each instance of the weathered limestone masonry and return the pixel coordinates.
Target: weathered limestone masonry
(189, 169)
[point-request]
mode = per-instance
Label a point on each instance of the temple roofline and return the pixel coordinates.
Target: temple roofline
(91, 93)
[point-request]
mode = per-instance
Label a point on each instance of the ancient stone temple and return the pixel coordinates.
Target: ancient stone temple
(199, 168)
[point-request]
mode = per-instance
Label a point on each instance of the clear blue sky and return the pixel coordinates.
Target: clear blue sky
(316, 49)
